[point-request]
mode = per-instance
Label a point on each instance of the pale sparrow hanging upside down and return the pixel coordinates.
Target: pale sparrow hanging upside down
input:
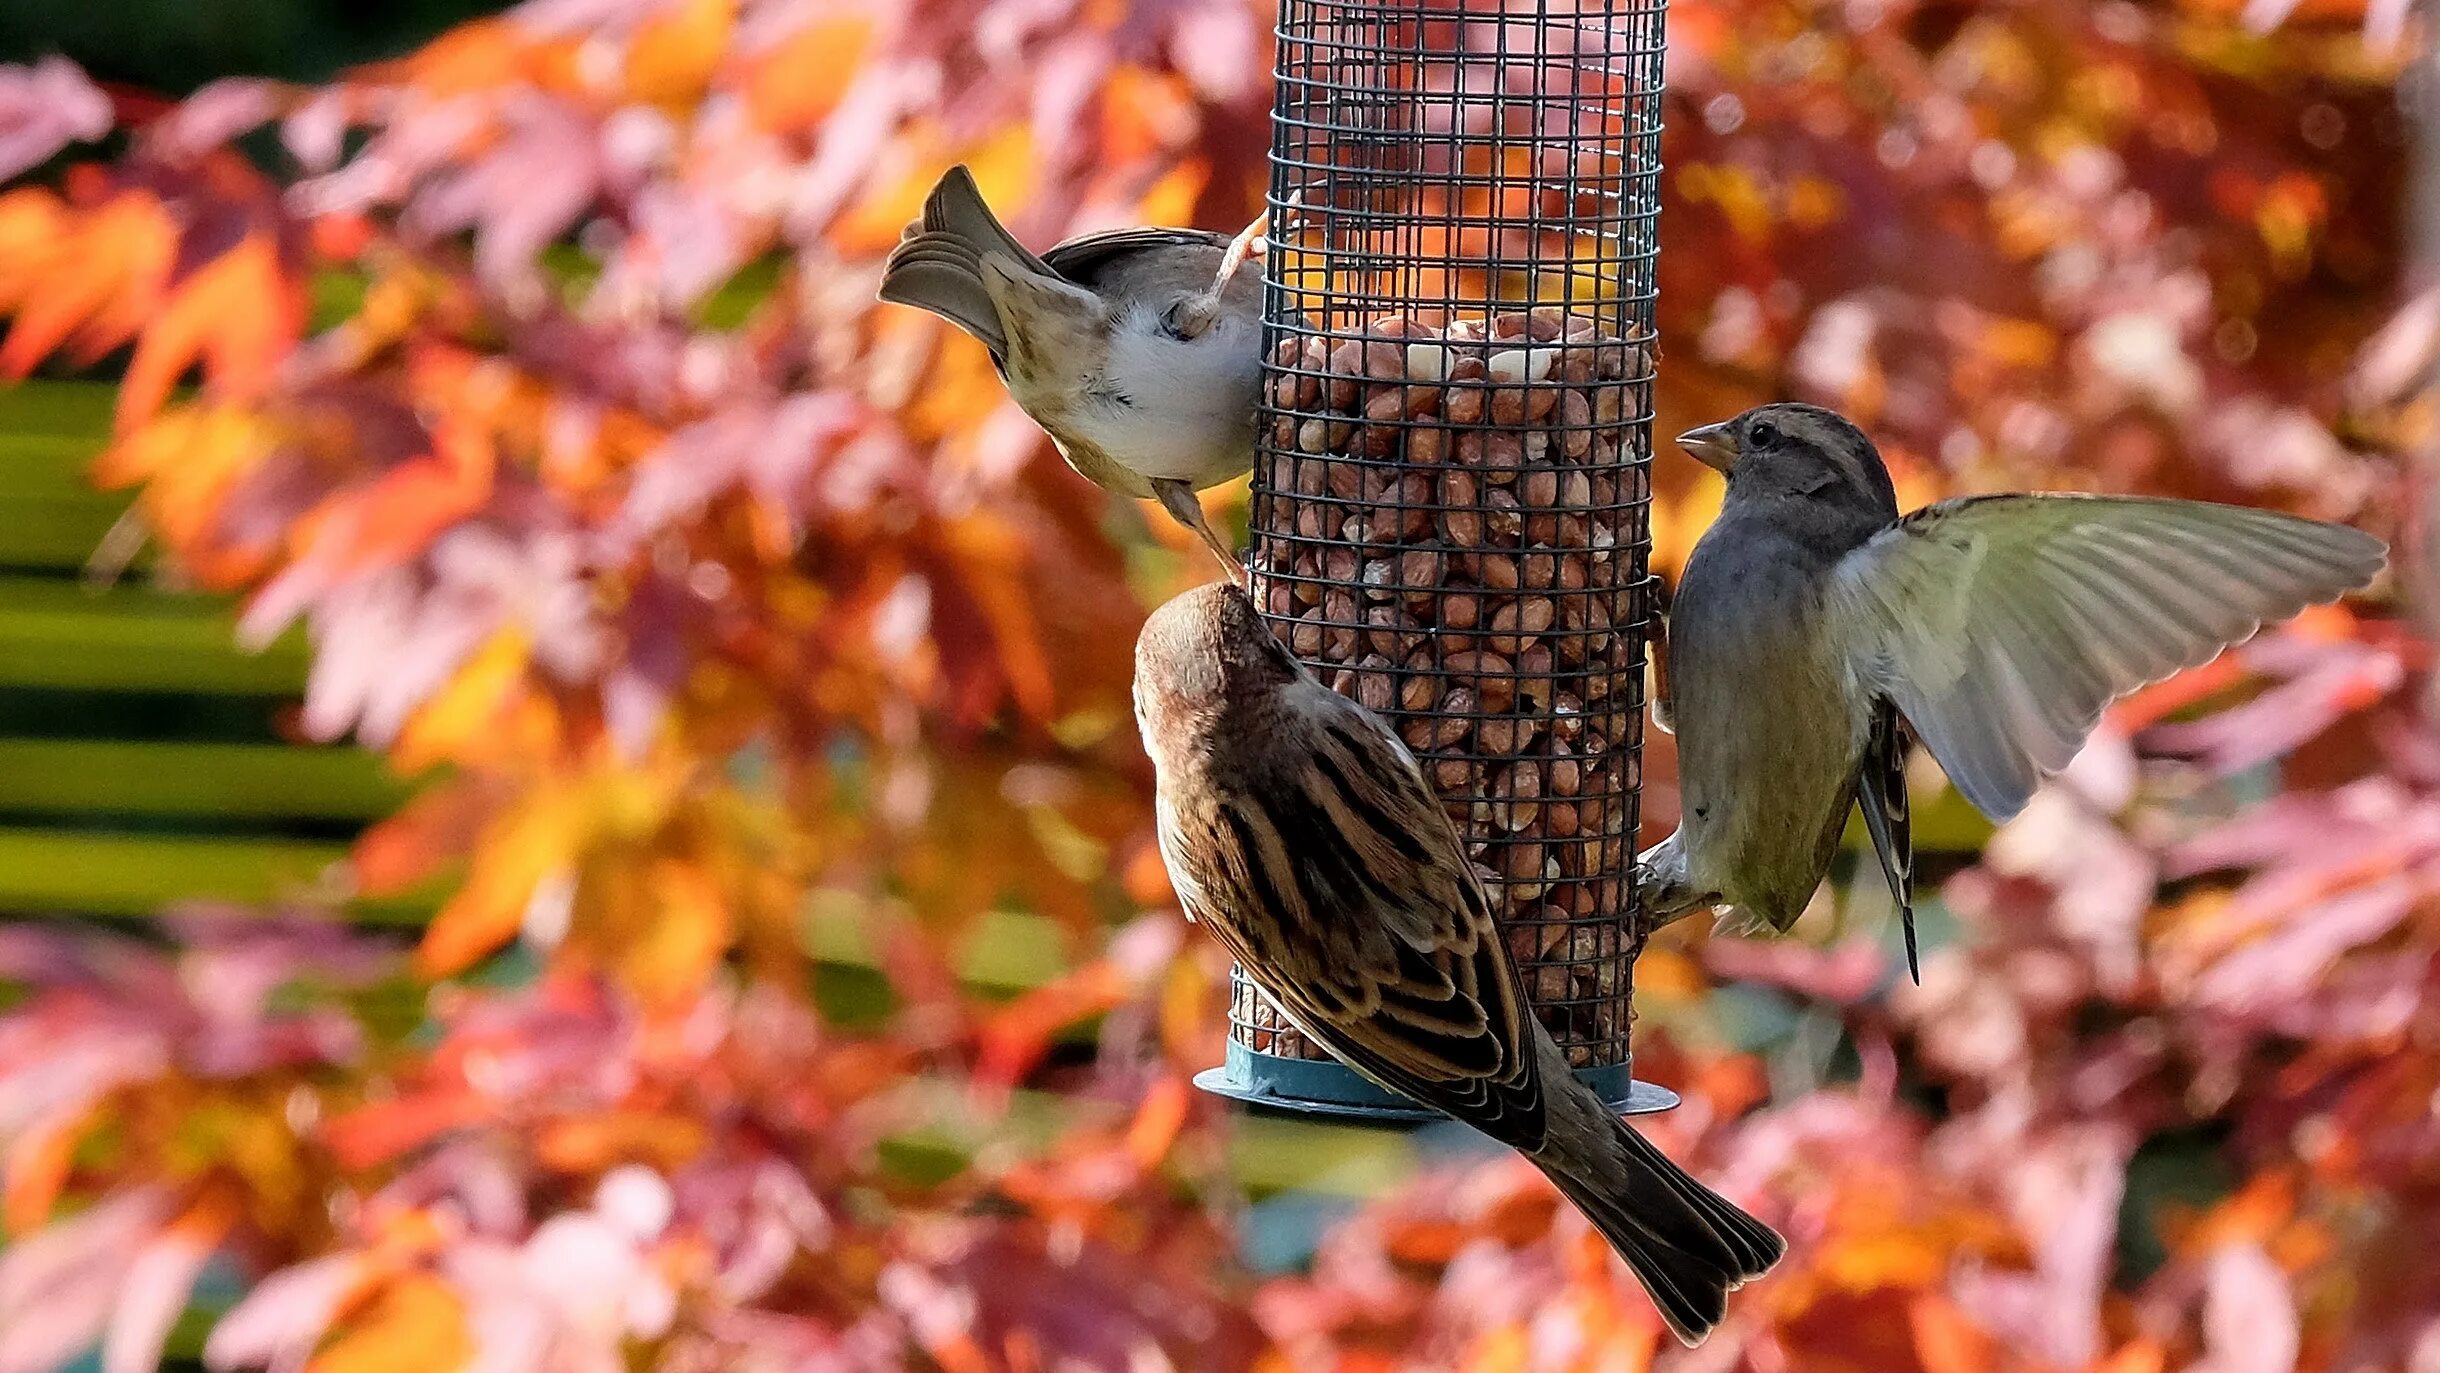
(1299, 830)
(1814, 626)
(1137, 350)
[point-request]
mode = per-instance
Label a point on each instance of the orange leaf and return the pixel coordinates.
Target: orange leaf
(675, 53)
(795, 82)
(215, 1210)
(992, 552)
(377, 1133)
(1018, 1034)
(2163, 699)
(1501, 1349)
(1519, 1216)
(583, 1145)
(240, 316)
(1141, 111)
(1158, 1121)
(38, 1163)
(2143, 1356)
(483, 55)
(434, 828)
(1425, 1242)
(102, 276)
(188, 459)
(1945, 1340)
(399, 514)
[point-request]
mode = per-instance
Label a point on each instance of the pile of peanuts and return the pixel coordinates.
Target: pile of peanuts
(1449, 541)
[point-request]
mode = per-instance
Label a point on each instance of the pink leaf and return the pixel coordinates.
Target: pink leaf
(278, 1324)
(154, 1292)
(214, 116)
(2249, 1314)
(2290, 961)
(58, 1285)
(44, 108)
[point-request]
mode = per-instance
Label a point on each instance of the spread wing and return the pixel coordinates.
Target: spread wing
(1342, 889)
(1889, 819)
(1084, 258)
(2003, 625)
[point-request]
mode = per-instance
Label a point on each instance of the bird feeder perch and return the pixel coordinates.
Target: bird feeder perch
(1452, 478)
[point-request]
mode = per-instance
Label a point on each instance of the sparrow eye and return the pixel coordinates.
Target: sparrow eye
(1764, 434)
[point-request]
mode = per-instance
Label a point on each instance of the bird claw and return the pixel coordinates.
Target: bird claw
(1665, 899)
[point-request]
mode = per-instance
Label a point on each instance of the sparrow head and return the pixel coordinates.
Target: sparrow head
(1204, 651)
(1796, 450)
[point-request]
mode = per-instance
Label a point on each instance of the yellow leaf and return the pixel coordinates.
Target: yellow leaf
(1003, 167)
(188, 459)
(416, 1325)
(1501, 1349)
(459, 719)
(683, 937)
(517, 852)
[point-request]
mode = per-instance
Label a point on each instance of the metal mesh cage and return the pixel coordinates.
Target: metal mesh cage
(1453, 473)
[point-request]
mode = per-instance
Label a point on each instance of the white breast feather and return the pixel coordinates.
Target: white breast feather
(1193, 402)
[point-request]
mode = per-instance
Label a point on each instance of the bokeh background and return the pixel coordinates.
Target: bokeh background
(567, 799)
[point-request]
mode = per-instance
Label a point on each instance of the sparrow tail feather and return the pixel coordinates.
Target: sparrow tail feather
(943, 274)
(955, 208)
(1688, 1245)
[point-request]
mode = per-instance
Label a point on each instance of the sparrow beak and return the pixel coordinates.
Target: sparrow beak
(1712, 445)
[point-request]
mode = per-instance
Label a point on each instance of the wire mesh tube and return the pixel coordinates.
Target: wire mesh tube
(1451, 495)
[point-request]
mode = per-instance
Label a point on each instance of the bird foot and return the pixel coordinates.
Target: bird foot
(1664, 896)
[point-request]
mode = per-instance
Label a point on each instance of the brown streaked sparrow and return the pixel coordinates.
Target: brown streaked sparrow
(1814, 627)
(1137, 350)
(1299, 830)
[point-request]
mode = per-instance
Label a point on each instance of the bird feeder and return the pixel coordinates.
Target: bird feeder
(1453, 463)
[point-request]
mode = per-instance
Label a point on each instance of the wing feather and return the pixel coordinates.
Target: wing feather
(1889, 819)
(1085, 257)
(2002, 626)
(1342, 889)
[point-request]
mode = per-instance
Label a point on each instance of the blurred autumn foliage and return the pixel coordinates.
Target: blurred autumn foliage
(537, 372)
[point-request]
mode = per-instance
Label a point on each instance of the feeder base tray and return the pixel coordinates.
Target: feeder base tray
(1334, 1089)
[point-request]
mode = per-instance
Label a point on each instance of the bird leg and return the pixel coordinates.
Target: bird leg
(1178, 499)
(1197, 314)
(1252, 241)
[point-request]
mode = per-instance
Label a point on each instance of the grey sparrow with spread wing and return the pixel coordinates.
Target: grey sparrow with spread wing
(1137, 350)
(1300, 832)
(1814, 627)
